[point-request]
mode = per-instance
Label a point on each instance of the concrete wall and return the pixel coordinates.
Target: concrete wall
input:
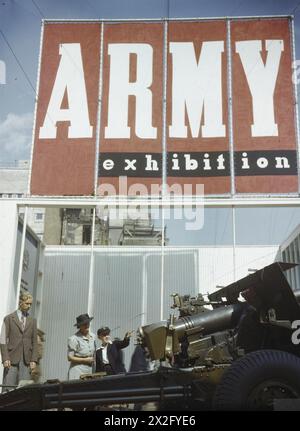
(53, 226)
(13, 180)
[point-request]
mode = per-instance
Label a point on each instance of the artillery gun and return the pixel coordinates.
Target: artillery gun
(233, 351)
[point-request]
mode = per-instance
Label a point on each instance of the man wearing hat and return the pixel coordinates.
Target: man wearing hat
(81, 348)
(109, 356)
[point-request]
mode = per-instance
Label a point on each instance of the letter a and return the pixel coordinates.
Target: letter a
(69, 79)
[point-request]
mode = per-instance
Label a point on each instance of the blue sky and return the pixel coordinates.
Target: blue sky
(20, 25)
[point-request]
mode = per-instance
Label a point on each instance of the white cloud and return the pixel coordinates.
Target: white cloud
(15, 137)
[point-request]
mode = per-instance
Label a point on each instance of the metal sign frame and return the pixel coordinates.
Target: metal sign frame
(230, 196)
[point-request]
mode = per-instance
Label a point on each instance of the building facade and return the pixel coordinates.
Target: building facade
(14, 185)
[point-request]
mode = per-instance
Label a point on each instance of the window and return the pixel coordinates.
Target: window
(39, 216)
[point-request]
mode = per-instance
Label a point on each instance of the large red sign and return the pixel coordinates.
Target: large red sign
(130, 107)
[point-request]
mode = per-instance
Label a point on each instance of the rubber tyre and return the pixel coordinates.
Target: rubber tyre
(243, 384)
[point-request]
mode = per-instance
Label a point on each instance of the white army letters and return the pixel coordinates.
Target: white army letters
(69, 79)
(261, 80)
(197, 94)
(197, 87)
(120, 88)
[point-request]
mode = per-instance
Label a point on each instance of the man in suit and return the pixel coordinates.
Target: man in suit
(19, 344)
(108, 356)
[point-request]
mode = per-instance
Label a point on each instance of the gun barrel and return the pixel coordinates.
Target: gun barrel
(216, 320)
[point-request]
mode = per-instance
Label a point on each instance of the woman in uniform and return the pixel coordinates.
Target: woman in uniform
(81, 348)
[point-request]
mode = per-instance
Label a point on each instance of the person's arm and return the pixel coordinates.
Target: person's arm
(121, 344)
(77, 360)
(3, 343)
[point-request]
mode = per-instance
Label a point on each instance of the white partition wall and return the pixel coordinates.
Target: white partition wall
(122, 286)
(217, 266)
(126, 288)
(65, 296)
(290, 252)
(8, 238)
(126, 291)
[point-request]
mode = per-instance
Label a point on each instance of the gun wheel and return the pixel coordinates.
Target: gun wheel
(255, 381)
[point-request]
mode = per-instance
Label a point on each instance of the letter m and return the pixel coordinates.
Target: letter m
(197, 90)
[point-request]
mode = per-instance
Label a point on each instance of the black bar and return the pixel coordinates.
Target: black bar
(114, 400)
(198, 164)
(112, 393)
